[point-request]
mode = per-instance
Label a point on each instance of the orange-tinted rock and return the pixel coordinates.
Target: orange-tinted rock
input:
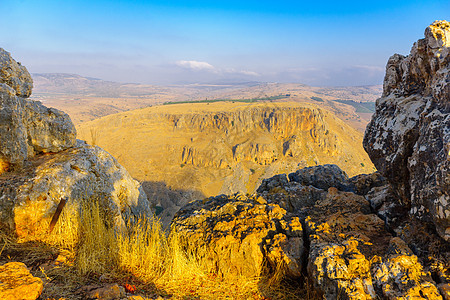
(16, 282)
(238, 235)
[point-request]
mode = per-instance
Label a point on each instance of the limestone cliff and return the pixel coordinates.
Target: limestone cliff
(42, 164)
(408, 138)
(215, 148)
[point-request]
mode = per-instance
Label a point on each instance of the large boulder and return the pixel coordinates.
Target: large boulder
(27, 127)
(408, 138)
(241, 235)
(29, 198)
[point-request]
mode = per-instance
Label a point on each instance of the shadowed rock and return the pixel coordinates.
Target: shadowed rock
(408, 138)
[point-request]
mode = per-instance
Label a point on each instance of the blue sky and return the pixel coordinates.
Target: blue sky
(166, 42)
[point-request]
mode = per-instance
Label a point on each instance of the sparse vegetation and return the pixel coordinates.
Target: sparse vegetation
(317, 99)
(361, 107)
(251, 100)
(140, 254)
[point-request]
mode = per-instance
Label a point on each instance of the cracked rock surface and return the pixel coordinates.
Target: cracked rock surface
(408, 139)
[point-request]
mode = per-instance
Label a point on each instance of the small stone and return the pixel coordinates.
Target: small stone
(16, 282)
(106, 292)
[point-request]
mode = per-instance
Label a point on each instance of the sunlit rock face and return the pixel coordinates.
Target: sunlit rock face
(27, 127)
(18, 282)
(408, 138)
(241, 235)
(350, 249)
(42, 163)
(79, 174)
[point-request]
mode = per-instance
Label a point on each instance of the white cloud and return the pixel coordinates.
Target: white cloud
(204, 66)
(248, 73)
(195, 65)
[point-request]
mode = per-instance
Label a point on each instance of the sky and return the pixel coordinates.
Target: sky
(319, 43)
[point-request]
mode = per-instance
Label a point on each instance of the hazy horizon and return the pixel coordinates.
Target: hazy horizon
(318, 44)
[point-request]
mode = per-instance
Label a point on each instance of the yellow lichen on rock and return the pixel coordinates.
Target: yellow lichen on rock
(16, 282)
(441, 32)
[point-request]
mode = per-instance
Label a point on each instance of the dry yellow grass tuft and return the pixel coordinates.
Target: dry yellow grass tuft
(142, 254)
(145, 253)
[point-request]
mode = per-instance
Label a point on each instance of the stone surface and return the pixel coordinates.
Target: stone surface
(14, 75)
(83, 173)
(27, 127)
(321, 177)
(104, 292)
(359, 246)
(241, 235)
(408, 138)
(16, 282)
(400, 275)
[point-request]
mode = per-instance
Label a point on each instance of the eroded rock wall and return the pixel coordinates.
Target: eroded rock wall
(408, 138)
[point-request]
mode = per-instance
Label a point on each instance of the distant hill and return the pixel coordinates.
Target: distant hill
(86, 99)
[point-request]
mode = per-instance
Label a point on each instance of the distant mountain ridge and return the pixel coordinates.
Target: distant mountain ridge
(87, 98)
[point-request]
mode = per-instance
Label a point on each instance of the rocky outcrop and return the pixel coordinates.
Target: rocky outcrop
(81, 173)
(352, 240)
(408, 138)
(241, 235)
(14, 75)
(16, 282)
(43, 165)
(352, 248)
(27, 127)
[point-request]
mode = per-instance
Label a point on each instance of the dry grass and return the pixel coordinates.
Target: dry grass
(142, 255)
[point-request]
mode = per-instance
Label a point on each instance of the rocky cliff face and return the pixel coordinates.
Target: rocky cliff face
(365, 237)
(408, 138)
(42, 164)
(223, 148)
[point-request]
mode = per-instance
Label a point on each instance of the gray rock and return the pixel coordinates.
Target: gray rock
(27, 127)
(29, 199)
(48, 129)
(321, 177)
(14, 75)
(408, 138)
